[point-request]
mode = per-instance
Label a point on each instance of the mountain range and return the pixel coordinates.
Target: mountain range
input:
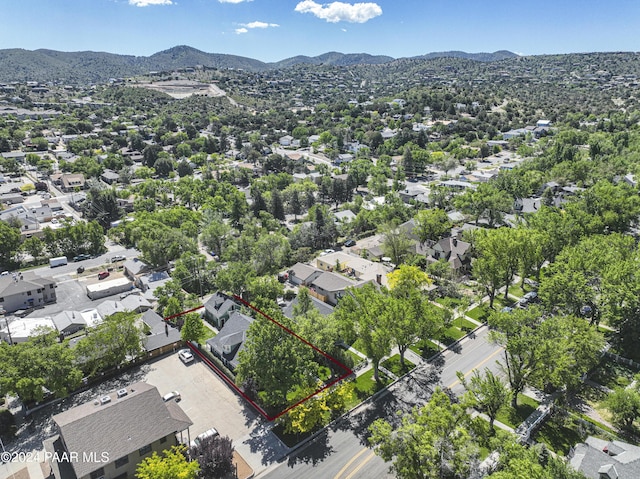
(87, 67)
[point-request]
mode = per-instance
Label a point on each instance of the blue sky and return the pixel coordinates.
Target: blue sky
(271, 30)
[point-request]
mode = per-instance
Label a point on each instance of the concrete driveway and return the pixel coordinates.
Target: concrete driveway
(206, 399)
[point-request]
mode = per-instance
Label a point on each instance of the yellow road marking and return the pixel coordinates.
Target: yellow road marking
(351, 461)
(361, 465)
(477, 366)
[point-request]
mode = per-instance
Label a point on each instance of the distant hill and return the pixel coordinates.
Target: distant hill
(480, 57)
(334, 59)
(95, 67)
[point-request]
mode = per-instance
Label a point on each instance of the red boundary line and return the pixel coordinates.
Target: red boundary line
(348, 371)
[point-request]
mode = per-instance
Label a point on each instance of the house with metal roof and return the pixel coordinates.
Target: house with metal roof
(109, 436)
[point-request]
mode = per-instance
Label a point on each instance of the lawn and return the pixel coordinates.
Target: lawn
(559, 434)
(451, 335)
(365, 386)
(480, 313)
(514, 417)
(462, 323)
(208, 334)
(516, 290)
(393, 365)
(425, 348)
(611, 374)
(356, 359)
(483, 311)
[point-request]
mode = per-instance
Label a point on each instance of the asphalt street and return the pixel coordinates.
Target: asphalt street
(342, 450)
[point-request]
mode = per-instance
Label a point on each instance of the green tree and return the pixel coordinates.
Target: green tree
(235, 278)
(9, 244)
(111, 343)
(487, 392)
(193, 328)
(277, 205)
(408, 312)
(361, 314)
(41, 362)
(431, 224)
(173, 464)
(431, 443)
(486, 201)
(270, 253)
(556, 351)
(304, 303)
(624, 406)
(317, 410)
(102, 206)
(215, 456)
(295, 205)
(516, 460)
(215, 235)
(275, 360)
(396, 244)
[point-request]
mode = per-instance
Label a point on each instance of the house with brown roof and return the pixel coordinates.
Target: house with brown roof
(109, 436)
(70, 181)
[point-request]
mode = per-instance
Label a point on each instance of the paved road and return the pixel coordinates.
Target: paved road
(342, 452)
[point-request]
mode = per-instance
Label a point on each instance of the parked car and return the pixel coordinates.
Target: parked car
(349, 243)
(81, 257)
(185, 355)
(103, 274)
(172, 395)
(117, 258)
(201, 437)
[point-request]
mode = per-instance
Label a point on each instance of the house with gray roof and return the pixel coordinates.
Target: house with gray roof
(69, 322)
(323, 308)
(135, 267)
(160, 335)
(25, 290)
(303, 274)
(218, 309)
(455, 251)
(230, 340)
(111, 435)
(148, 281)
(600, 459)
(330, 287)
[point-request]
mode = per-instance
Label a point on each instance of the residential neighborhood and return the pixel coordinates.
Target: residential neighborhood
(291, 272)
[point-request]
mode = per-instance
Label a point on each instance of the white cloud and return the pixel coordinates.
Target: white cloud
(340, 12)
(261, 25)
(146, 3)
(246, 26)
(234, 1)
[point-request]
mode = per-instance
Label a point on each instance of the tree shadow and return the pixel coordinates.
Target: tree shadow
(316, 451)
(264, 442)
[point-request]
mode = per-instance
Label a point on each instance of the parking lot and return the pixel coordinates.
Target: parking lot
(205, 398)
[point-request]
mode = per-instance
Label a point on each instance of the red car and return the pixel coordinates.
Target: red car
(103, 274)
